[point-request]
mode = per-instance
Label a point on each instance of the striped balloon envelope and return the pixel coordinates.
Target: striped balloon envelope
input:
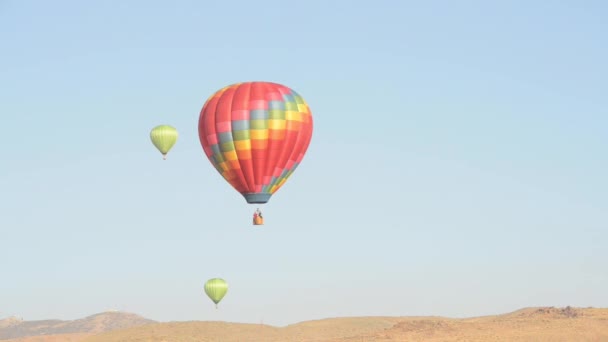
(216, 289)
(164, 137)
(255, 134)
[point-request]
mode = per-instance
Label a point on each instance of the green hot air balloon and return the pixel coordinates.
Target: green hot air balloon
(163, 137)
(216, 289)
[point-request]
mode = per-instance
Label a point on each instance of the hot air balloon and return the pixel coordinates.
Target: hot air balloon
(255, 134)
(163, 137)
(216, 289)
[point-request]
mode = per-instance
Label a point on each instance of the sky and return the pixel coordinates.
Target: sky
(457, 166)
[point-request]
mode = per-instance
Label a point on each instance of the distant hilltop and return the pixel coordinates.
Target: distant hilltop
(528, 324)
(13, 327)
(10, 321)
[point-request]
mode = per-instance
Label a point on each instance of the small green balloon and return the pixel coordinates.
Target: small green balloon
(216, 289)
(164, 137)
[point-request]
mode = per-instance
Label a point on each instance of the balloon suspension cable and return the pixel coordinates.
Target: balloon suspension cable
(216, 306)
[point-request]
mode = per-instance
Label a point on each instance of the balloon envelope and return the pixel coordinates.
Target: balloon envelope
(164, 137)
(255, 134)
(216, 289)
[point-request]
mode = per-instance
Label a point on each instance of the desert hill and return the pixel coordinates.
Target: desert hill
(529, 324)
(12, 328)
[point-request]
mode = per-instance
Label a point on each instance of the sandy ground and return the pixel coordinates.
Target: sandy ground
(51, 338)
(532, 324)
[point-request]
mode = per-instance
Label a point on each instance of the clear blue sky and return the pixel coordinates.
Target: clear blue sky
(458, 165)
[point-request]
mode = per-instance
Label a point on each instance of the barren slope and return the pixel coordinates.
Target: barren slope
(532, 324)
(76, 337)
(14, 328)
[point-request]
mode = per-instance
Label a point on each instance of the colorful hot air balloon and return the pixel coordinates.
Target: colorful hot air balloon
(216, 289)
(163, 137)
(255, 134)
